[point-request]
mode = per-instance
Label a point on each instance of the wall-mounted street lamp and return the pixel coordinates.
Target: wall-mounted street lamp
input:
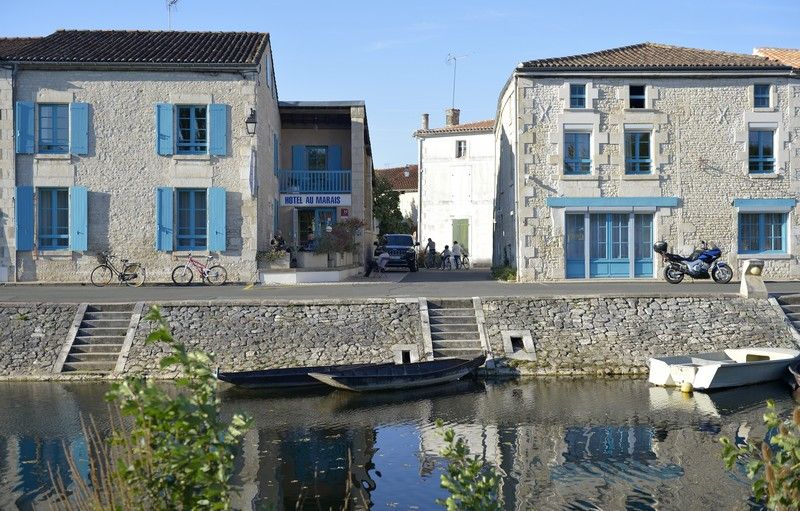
(250, 122)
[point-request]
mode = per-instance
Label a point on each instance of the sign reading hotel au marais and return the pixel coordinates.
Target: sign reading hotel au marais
(316, 199)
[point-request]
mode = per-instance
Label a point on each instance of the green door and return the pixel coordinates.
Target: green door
(461, 232)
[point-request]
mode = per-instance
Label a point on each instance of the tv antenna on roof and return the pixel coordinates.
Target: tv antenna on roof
(454, 59)
(170, 5)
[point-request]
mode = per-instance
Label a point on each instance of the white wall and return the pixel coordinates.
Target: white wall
(458, 188)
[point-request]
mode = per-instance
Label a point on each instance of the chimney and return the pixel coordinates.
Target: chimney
(424, 121)
(451, 117)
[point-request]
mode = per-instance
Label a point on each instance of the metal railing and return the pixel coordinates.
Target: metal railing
(314, 181)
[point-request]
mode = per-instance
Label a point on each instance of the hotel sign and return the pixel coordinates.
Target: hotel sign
(316, 199)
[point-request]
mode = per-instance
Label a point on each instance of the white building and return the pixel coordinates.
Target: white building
(601, 154)
(457, 185)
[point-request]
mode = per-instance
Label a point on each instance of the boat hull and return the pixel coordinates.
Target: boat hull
(293, 377)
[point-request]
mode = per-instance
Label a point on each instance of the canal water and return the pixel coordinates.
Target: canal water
(576, 444)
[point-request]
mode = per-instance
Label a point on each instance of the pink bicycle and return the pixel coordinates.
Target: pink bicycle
(215, 275)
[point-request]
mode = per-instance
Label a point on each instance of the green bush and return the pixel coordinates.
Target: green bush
(473, 485)
(774, 466)
(507, 273)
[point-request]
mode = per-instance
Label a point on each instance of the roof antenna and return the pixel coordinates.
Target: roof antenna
(454, 59)
(170, 5)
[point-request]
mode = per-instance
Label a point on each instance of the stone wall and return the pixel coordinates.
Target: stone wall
(618, 335)
(7, 244)
(32, 337)
(271, 335)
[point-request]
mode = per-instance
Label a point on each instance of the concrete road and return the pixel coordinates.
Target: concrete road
(429, 284)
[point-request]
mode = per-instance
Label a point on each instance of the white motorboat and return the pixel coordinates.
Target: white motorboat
(720, 369)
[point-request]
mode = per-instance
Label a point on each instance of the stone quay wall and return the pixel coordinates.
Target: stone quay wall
(31, 337)
(607, 335)
(272, 335)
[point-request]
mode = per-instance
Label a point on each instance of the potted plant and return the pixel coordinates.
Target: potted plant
(273, 259)
(340, 242)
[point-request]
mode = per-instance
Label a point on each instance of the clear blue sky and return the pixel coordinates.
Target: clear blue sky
(393, 53)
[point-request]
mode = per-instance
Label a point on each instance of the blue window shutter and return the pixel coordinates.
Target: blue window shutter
(79, 128)
(23, 211)
(25, 129)
(299, 157)
(218, 129)
(216, 219)
(335, 157)
(78, 218)
(275, 156)
(164, 218)
(164, 129)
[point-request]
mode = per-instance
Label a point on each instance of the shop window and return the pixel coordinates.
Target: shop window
(762, 233)
(192, 129)
(192, 219)
(636, 96)
(53, 226)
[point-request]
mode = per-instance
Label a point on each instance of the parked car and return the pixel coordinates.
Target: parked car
(402, 250)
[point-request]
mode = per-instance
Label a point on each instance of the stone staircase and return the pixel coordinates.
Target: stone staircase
(454, 329)
(99, 338)
(791, 308)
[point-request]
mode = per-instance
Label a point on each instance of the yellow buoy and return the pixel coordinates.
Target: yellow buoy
(687, 387)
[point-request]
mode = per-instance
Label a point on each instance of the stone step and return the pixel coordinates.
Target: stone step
(458, 320)
(455, 336)
(92, 357)
(105, 323)
(473, 329)
(456, 352)
(460, 344)
(96, 348)
(110, 307)
(98, 339)
(450, 304)
(789, 299)
(793, 316)
(120, 315)
(89, 367)
(93, 331)
(451, 313)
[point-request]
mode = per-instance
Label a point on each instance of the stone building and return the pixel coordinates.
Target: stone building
(405, 181)
(600, 154)
(457, 184)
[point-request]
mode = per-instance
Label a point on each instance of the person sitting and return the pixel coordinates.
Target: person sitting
(311, 243)
(277, 242)
(445, 256)
(383, 260)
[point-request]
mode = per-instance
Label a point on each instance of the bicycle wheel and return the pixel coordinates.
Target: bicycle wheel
(182, 275)
(133, 274)
(217, 275)
(465, 262)
(101, 275)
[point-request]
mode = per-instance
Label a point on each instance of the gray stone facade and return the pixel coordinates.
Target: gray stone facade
(618, 335)
(33, 335)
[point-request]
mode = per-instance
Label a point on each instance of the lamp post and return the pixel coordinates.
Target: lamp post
(250, 122)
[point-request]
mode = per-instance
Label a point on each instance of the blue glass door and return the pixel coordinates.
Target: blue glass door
(575, 243)
(323, 218)
(643, 242)
(609, 245)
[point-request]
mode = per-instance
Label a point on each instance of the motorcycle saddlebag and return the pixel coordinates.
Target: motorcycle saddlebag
(660, 247)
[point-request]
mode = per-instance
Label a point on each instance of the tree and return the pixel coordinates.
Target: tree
(386, 208)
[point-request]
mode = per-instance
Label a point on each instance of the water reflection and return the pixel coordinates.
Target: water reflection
(561, 444)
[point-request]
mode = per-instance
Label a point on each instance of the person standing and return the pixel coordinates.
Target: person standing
(431, 249)
(445, 256)
(457, 254)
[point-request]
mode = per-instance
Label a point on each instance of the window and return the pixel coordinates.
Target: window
(636, 96)
(192, 219)
(461, 148)
(762, 154)
(577, 159)
(192, 129)
(577, 95)
(637, 152)
(761, 95)
(53, 218)
(53, 128)
(317, 157)
(762, 232)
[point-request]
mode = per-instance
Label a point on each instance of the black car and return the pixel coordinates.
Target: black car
(401, 249)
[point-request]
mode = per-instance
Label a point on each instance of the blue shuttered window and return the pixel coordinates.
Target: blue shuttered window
(79, 128)
(335, 157)
(164, 218)
(24, 122)
(577, 153)
(299, 157)
(218, 126)
(53, 128)
(164, 129)
(53, 224)
(78, 218)
(275, 155)
(762, 233)
(192, 133)
(216, 219)
(23, 221)
(192, 221)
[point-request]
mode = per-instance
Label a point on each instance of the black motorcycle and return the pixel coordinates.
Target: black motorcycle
(704, 263)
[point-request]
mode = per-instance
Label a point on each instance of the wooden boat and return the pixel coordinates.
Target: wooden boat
(401, 376)
(721, 369)
(283, 378)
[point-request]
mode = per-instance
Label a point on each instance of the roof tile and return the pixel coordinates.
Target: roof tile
(788, 56)
(397, 179)
(13, 45)
(478, 126)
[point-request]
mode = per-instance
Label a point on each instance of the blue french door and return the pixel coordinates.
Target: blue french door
(575, 231)
(609, 245)
(323, 218)
(643, 243)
